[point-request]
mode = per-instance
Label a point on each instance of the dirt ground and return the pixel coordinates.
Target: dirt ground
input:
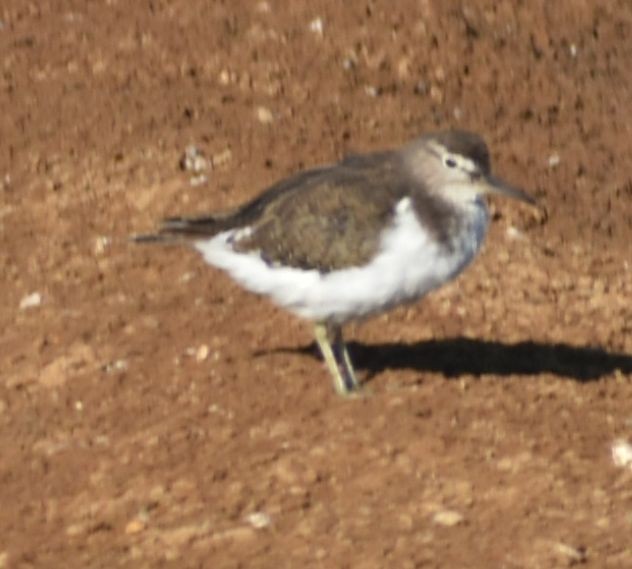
(153, 414)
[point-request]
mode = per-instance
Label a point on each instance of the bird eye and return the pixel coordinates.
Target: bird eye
(450, 162)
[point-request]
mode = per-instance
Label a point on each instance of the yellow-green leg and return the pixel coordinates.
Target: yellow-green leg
(332, 346)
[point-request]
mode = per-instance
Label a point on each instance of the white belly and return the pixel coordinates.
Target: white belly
(410, 263)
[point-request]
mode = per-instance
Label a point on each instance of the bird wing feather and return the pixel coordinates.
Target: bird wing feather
(329, 220)
(325, 219)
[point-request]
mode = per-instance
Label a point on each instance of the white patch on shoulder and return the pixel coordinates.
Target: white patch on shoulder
(409, 263)
(240, 234)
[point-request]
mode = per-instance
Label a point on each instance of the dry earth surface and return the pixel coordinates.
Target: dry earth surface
(152, 414)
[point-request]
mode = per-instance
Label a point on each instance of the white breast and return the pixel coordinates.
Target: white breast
(410, 263)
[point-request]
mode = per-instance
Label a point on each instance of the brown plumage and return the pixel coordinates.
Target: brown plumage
(348, 240)
(327, 218)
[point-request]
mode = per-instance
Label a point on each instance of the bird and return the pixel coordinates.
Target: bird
(342, 242)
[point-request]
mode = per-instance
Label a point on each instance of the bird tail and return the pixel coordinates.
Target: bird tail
(179, 229)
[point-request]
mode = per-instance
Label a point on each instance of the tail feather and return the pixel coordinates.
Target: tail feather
(154, 238)
(207, 225)
(178, 229)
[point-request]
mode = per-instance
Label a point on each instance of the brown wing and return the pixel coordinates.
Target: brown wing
(326, 218)
(208, 225)
(329, 220)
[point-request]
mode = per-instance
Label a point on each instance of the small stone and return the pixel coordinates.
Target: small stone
(226, 77)
(259, 520)
(101, 243)
(421, 87)
(264, 115)
(193, 160)
(371, 90)
(202, 353)
(574, 554)
(317, 26)
(436, 94)
(554, 160)
(4, 556)
(447, 518)
(31, 301)
(622, 453)
(221, 158)
(135, 526)
(74, 529)
(198, 180)
(349, 63)
(514, 233)
(115, 366)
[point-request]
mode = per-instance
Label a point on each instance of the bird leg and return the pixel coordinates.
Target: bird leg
(342, 355)
(332, 346)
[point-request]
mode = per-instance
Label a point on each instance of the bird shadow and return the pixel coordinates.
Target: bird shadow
(455, 357)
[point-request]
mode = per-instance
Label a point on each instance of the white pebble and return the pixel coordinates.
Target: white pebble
(193, 160)
(447, 518)
(514, 233)
(264, 115)
(622, 453)
(348, 63)
(202, 353)
(259, 520)
(317, 26)
(554, 160)
(198, 180)
(226, 77)
(574, 554)
(101, 244)
(371, 91)
(221, 158)
(115, 366)
(31, 301)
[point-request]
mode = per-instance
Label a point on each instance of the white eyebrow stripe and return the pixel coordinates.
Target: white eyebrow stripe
(467, 164)
(463, 162)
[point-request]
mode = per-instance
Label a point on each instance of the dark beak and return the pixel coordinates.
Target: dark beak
(497, 186)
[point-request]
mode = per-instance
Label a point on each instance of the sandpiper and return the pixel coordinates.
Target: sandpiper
(342, 242)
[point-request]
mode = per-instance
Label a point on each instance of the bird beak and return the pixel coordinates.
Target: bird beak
(495, 185)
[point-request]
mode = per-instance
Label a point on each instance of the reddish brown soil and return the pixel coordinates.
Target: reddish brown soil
(152, 414)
